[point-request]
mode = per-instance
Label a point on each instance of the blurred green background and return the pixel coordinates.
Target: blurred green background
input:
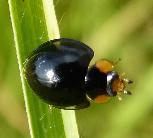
(114, 29)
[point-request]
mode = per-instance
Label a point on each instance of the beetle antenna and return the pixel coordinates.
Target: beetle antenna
(116, 62)
(127, 92)
(127, 81)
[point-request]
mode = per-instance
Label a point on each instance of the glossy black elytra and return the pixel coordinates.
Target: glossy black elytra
(58, 73)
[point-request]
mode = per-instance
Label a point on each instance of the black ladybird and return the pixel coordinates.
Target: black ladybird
(58, 73)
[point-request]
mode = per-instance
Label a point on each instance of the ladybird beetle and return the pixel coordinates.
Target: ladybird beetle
(58, 73)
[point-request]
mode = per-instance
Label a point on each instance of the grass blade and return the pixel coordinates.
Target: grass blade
(33, 23)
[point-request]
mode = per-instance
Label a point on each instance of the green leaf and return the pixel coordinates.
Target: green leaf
(33, 23)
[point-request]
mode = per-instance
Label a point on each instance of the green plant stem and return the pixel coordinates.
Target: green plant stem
(34, 23)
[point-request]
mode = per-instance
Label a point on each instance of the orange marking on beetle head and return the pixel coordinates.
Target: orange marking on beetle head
(101, 99)
(104, 65)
